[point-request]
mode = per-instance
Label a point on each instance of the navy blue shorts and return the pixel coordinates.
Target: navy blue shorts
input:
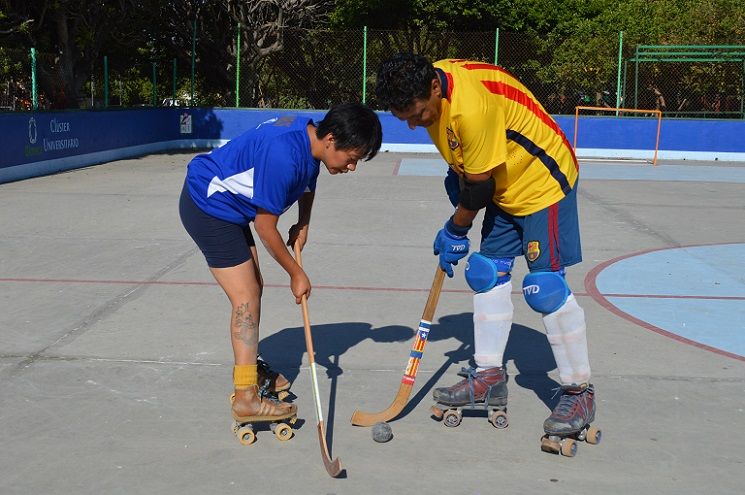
(223, 244)
(549, 238)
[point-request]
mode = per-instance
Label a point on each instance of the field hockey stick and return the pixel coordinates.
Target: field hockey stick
(362, 418)
(333, 466)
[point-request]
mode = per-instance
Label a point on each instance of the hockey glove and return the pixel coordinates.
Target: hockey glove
(451, 244)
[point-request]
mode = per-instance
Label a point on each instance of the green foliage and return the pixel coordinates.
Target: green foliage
(553, 45)
(437, 15)
(584, 46)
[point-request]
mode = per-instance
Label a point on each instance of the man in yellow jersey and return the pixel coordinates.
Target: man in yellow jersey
(509, 157)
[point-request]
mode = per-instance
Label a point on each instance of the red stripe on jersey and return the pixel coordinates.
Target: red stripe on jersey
(523, 99)
(485, 66)
(450, 86)
(553, 236)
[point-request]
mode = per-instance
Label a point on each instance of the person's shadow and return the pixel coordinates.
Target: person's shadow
(527, 348)
(284, 351)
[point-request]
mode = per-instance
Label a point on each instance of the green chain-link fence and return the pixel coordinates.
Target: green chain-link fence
(318, 68)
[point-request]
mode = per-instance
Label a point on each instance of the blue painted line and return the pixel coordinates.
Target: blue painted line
(425, 167)
(664, 173)
(706, 271)
(436, 167)
(696, 292)
(711, 322)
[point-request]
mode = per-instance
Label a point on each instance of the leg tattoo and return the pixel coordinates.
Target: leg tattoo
(245, 327)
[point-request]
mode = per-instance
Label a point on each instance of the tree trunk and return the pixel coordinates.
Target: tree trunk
(70, 88)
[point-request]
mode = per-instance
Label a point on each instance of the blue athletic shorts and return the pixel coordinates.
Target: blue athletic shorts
(223, 244)
(549, 238)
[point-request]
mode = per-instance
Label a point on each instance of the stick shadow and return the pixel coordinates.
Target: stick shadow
(284, 350)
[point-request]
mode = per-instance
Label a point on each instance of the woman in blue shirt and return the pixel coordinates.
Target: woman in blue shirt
(254, 178)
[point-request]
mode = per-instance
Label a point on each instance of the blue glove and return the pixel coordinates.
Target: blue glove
(451, 244)
(452, 187)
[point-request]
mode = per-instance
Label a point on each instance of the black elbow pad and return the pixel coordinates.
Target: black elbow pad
(476, 195)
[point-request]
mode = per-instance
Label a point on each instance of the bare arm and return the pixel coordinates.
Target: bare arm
(299, 231)
(266, 228)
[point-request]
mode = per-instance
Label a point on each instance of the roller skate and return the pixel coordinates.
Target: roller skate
(254, 406)
(275, 382)
(480, 391)
(570, 421)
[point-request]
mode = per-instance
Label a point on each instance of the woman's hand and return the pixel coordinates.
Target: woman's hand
(300, 285)
(298, 233)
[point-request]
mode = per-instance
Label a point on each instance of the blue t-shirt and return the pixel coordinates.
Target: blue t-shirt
(268, 167)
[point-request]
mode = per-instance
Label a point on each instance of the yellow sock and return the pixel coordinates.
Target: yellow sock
(244, 375)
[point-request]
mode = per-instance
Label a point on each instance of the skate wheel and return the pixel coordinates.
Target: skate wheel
(550, 445)
(246, 435)
(594, 434)
(292, 420)
(452, 418)
(436, 412)
(283, 432)
(568, 448)
(498, 419)
(283, 394)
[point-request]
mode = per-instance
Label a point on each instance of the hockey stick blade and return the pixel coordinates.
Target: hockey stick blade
(362, 418)
(333, 466)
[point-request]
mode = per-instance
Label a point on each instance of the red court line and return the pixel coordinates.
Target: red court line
(662, 296)
(600, 298)
(397, 167)
(195, 283)
(339, 287)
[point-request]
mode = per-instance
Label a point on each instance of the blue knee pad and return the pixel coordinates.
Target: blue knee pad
(482, 273)
(545, 292)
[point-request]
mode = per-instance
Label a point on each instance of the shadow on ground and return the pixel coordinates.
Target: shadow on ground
(527, 348)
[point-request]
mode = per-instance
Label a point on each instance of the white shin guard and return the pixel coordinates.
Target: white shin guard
(492, 320)
(567, 333)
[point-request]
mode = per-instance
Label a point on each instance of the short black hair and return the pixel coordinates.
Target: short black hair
(402, 79)
(354, 127)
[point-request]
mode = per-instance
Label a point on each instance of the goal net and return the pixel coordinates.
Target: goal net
(605, 133)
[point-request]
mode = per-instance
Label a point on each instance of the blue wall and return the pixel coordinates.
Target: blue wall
(40, 143)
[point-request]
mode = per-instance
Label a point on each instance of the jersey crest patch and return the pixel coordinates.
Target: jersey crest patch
(534, 251)
(452, 141)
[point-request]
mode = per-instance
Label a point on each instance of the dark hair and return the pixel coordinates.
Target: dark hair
(402, 79)
(354, 127)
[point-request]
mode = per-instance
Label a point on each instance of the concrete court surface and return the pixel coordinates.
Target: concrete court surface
(115, 362)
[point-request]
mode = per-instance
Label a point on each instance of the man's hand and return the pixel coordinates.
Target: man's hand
(451, 244)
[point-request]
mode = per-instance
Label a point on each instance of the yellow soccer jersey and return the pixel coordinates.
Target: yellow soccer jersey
(490, 121)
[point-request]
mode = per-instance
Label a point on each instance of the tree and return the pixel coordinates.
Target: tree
(435, 15)
(70, 37)
(262, 24)
(584, 46)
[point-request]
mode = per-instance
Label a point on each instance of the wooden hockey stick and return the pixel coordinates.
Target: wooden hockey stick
(333, 466)
(362, 418)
